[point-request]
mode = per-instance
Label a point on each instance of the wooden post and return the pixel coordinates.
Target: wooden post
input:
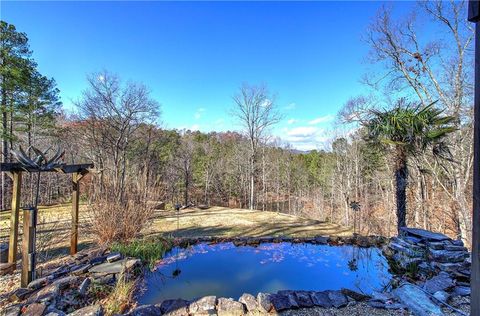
(75, 202)
(28, 246)
(13, 243)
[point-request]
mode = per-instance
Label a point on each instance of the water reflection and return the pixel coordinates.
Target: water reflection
(228, 271)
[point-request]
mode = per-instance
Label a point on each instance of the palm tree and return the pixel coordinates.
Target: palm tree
(407, 131)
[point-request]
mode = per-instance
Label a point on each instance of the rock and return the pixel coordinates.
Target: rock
(114, 257)
(92, 310)
(436, 245)
(229, 307)
(249, 301)
(439, 282)
(292, 299)
(416, 301)
(448, 267)
(462, 290)
(7, 268)
(65, 282)
(81, 269)
(337, 298)
(176, 307)
(145, 310)
(105, 279)
(20, 294)
(457, 242)
(321, 240)
(446, 256)
(52, 311)
(12, 310)
(303, 299)
(48, 293)
(38, 283)
(455, 248)
(321, 299)
(203, 306)
(359, 297)
(84, 286)
(424, 234)
(35, 309)
(109, 267)
(442, 296)
(97, 260)
(282, 302)
(3, 253)
(264, 302)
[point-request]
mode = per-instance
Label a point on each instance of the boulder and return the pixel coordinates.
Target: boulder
(145, 310)
(292, 298)
(282, 302)
(203, 306)
(337, 298)
(439, 282)
(416, 301)
(264, 302)
(47, 294)
(229, 307)
(176, 307)
(303, 299)
(321, 299)
(249, 301)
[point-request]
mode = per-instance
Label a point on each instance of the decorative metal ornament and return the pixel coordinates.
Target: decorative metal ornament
(40, 162)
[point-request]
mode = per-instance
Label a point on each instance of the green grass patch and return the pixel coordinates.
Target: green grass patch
(149, 251)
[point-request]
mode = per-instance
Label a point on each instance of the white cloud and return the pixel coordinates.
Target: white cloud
(198, 113)
(291, 106)
(292, 121)
(307, 137)
(322, 119)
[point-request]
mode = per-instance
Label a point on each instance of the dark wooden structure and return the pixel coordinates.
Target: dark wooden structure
(15, 170)
(474, 16)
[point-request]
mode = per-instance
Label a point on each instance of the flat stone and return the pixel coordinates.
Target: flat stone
(457, 242)
(303, 299)
(359, 297)
(424, 234)
(203, 306)
(321, 240)
(249, 301)
(65, 281)
(20, 294)
(338, 298)
(109, 267)
(229, 307)
(105, 279)
(382, 296)
(442, 296)
(52, 311)
(12, 310)
(38, 283)
(48, 293)
(416, 301)
(448, 266)
(445, 256)
(93, 310)
(82, 289)
(97, 260)
(264, 302)
(321, 299)
(145, 310)
(81, 269)
(282, 302)
(455, 248)
(436, 245)
(439, 282)
(7, 268)
(114, 257)
(35, 309)
(462, 290)
(176, 307)
(292, 298)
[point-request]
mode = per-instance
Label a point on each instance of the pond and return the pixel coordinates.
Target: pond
(229, 271)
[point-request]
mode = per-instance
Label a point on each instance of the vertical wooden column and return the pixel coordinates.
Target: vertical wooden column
(13, 243)
(75, 203)
(28, 246)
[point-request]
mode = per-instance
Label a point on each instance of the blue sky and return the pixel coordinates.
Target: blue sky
(195, 55)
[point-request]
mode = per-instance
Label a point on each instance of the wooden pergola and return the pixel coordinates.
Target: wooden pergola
(14, 171)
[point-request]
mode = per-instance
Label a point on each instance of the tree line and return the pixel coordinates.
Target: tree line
(406, 159)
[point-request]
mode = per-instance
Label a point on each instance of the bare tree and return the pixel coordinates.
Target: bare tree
(255, 110)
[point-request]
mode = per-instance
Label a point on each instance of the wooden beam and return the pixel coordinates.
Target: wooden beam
(16, 192)
(75, 205)
(28, 246)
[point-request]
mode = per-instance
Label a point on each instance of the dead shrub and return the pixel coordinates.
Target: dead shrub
(111, 219)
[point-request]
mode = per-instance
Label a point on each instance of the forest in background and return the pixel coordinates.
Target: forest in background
(115, 127)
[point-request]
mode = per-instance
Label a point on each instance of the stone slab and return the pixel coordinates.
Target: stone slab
(416, 301)
(424, 234)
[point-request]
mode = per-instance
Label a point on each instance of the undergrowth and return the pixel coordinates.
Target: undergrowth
(149, 251)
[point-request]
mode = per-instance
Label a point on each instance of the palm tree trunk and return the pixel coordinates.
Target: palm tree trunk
(401, 177)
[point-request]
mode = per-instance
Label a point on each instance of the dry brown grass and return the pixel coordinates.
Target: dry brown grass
(221, 221)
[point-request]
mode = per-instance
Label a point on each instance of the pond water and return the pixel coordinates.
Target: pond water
(229, 271)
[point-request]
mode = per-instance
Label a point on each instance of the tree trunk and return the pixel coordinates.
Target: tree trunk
(401, 178)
